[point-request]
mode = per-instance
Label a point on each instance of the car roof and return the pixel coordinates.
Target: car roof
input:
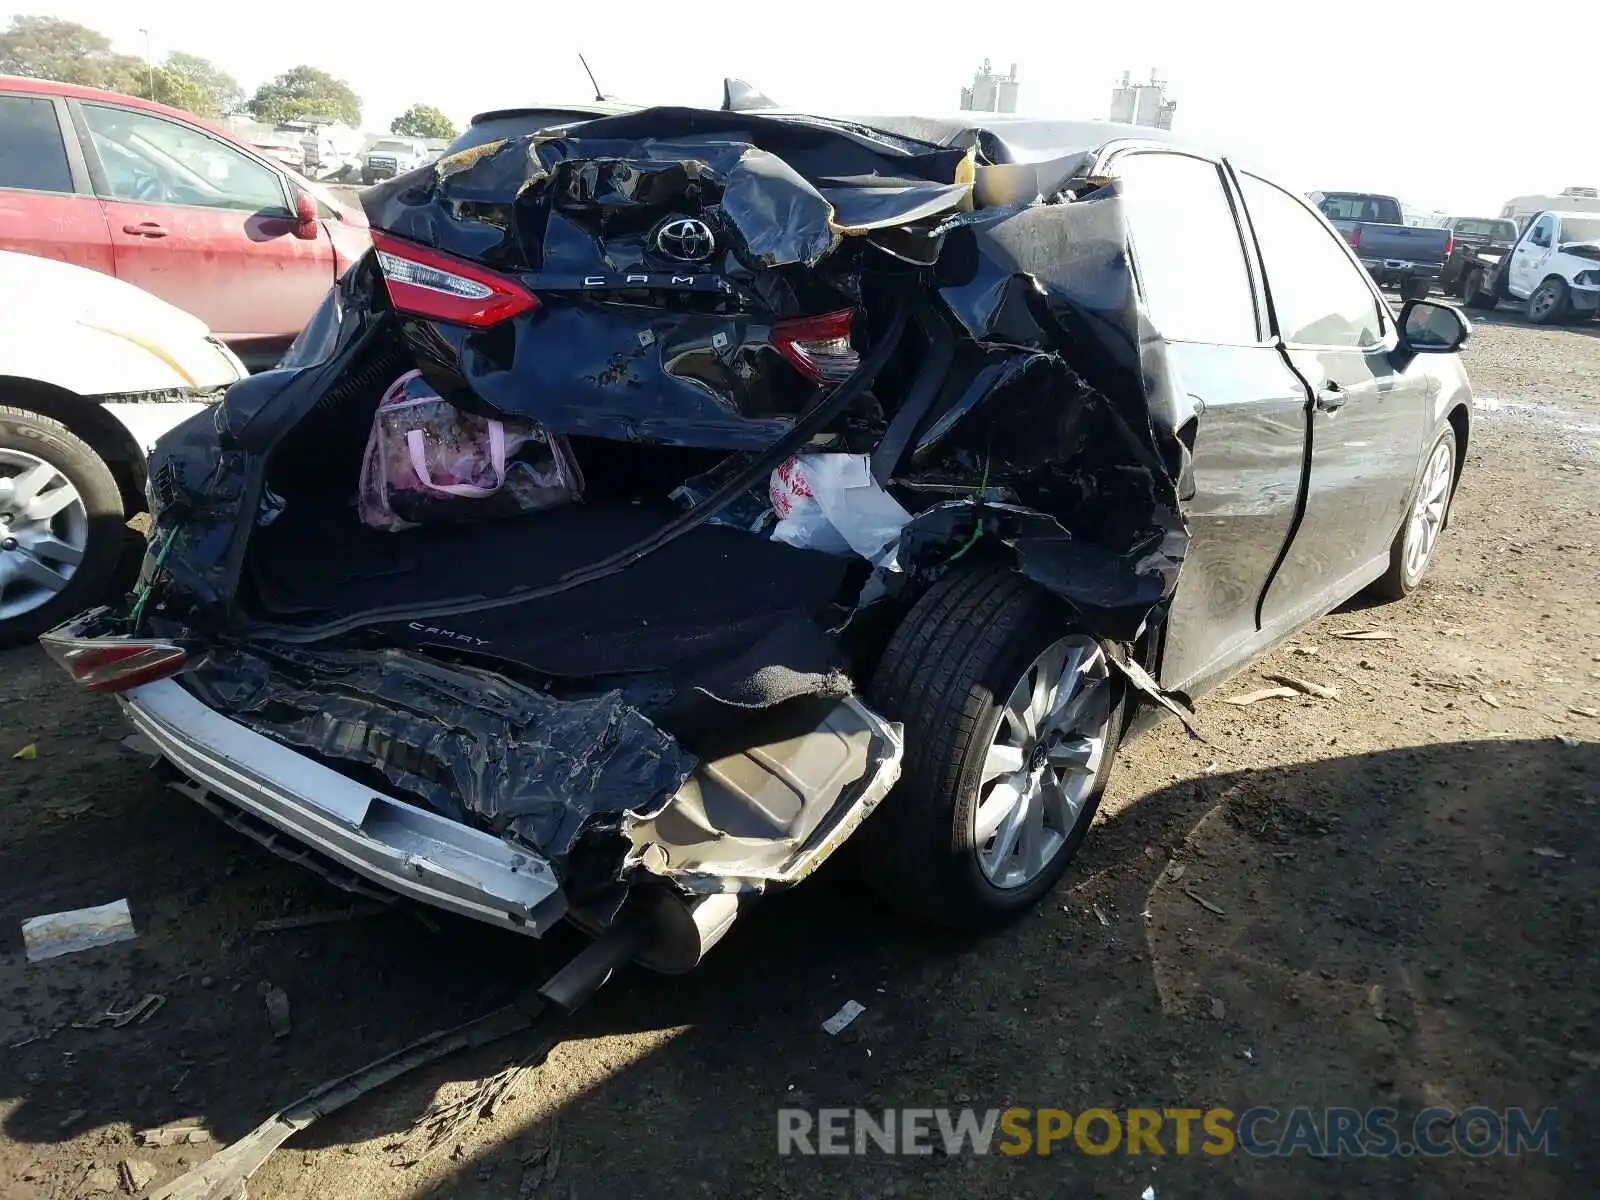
(74, 91)
(1029, 137)
(592, 108)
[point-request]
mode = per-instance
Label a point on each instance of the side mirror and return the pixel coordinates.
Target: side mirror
(305, 217)
(1427, 327)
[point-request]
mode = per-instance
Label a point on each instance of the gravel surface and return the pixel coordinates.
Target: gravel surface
(1384, 899)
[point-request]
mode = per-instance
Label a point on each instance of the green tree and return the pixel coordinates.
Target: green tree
(166, 86)
(50, 48)
(304, 92)
(219, 92)
(423, 121)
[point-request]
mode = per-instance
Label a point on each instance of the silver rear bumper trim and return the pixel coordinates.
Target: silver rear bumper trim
(407, 849)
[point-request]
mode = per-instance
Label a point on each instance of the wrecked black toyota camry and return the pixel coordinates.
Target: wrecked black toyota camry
(671, 497)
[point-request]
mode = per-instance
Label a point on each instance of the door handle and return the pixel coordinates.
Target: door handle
(1331, 397)
(147, 229)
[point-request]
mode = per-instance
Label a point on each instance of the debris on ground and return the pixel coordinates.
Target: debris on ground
(55, 934)
(172, 1135)
(136, 1175)
(1368, 635)
(1148, 1194)
(98, 1181)
(149, 1004)
(1567, 740)
(307, 920)
(1490, 699)
(1100, 915)
(541, 1162)
(842, 1019)
(277, 1001)
(1583, 711)
(1218, 1008)
(28, 753)
(1548, 852)
(1175, 871)
(1305, 650)
(1271, 693)
(1309, 688)
(1203, 902)
(224, 1174)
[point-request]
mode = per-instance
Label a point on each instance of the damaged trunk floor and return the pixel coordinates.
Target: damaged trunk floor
(713, 592)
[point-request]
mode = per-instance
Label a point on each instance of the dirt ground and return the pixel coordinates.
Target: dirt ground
(1401, 888)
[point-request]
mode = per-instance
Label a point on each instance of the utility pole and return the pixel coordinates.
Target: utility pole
(150, 64)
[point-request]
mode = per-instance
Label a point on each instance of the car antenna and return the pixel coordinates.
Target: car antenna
(598, 94)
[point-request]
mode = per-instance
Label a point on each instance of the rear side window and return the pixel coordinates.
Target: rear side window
(1186, 248)
(1320, 297)
(32, 155)
(1349, 206)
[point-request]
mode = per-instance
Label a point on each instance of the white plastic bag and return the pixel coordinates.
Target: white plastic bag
(831, 503)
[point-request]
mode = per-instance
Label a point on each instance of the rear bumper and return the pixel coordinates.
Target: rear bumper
(1396, 271)
(408, 850)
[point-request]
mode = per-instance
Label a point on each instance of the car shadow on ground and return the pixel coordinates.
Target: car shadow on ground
(1403, 928)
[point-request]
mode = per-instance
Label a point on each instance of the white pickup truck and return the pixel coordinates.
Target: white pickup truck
(1553, 269)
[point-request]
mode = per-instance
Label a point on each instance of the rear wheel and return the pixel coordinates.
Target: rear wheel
(1548, 305)
(1412, 551)
(1012, 722)
(1474, 292)
(61, 524)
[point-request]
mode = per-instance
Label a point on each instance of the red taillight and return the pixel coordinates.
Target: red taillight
(1449, 245)
(114, 664)
(1354, 236)
(442, 287)
(819, 347)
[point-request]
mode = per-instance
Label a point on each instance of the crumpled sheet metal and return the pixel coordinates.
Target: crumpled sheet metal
(712, 837)
(786, 191)
(473, 745)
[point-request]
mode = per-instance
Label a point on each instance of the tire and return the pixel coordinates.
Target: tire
(1474, 295)
(92, 528)
(947, 673)
(1415, 289)
(1549, 303)
(1430, 506)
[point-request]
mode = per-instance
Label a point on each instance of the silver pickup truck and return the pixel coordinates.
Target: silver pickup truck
(1396, 255)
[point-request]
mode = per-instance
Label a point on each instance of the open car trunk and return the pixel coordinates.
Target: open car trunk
(657, 676)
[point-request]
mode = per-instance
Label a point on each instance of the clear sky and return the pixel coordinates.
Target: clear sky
(1446, 105)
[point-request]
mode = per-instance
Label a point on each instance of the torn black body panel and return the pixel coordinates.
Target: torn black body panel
(469, 744)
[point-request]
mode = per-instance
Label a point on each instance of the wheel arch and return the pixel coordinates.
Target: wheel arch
(88, 419)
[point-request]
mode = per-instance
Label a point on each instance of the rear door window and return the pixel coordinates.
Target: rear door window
(32, 155)
(1186, 248)
(1320, 296)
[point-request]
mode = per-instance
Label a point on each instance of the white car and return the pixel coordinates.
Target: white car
(92, 371)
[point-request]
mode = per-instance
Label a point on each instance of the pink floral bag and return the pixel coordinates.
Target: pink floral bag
(429, 462)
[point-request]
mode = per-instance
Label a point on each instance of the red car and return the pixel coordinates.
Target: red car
(168, 202)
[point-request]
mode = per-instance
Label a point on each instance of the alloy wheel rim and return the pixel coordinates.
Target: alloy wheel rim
(1543, 300)
(1427, 513)
(1041, 766)
(44, 529)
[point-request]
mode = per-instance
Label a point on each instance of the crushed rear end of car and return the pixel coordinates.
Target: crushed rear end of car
(797, 370)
